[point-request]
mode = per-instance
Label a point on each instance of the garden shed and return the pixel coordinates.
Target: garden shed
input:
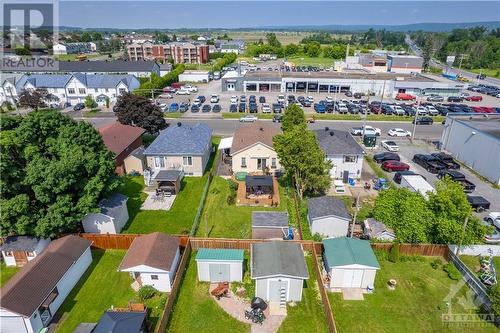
(220, 265)
(111, 218)
(269, 225)
(328, 216)
(18, 250)
(350, 263)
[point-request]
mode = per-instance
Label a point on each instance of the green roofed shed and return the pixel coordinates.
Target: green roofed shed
(220, 265)
(219, 254)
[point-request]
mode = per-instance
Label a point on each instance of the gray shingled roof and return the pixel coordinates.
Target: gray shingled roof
(327, 206)
(182, 140)
(270, 219)
(340, 143)
(168, 175)
(138, 152)
(278, 258)
(120, 322)
(111, 205)
(20, 243)
(119, 66)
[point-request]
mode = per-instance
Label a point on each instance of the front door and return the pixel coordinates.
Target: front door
(352, 278)
(277, 290)
(219, 272)
(20, 257)
(345, 176)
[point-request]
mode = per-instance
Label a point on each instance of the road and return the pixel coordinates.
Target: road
(466, 74)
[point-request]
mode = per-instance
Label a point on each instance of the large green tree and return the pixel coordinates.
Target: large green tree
(294, 116)
(139, 111)
(33, 98)
(54, 171)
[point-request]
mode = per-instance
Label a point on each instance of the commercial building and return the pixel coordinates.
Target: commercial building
(73, 48)
(194, 76)
(475, 141)
(178, 52)
(404, 63)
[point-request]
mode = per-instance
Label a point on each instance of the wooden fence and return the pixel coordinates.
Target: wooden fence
(416, 249)
(332, 328)
(243, 244)
(110, 241)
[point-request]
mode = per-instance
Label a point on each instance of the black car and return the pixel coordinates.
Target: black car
(429, 163)
(399, 175)
(348, 93)
(202, 99)
(443, 110)
(306, 103)
(387, 109)
(195, 108)
(252, 99)
(301, 99)
(262, 99)
(242, 107)
(183, 107)
(455, 99)
(253, 108)
(385, 156)
(277, 118)
(233, 108)
(78, 107)
(243, 99)
(277, 108)
(206, 108)
(291, 99)
(216, 108)
(423, 121)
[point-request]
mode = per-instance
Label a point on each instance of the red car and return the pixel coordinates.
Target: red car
(169, 90)
(483, 109)
(474, 98)
(395, 166)
(405, 97)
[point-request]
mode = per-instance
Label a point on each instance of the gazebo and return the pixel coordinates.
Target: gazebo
(168, 181)
(259, 185)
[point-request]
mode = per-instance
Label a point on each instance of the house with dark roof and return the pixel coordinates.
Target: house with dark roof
(152, 260)
(181, 147)
(279, 270)
(252, 148)
(30, 299)
(122, 140)
(111, 217)
(345, 154)
(269, 225)
(121, 322)
(328, 216)
(18, 250)
(350, 263)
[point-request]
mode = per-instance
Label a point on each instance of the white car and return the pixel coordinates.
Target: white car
(266, 108)
(310, 99)
(367, 129)
(248, 119)
(421, 110)
(183, 92)
(329, 99)
(399, 132)
(281, 99)
(234, 99)
(390, 145)
(494, 218)
(190, 88)
(432, 111)
(214, 99)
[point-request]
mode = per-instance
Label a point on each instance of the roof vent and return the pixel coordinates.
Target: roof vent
(331, 133)
(327, 129)
(179, 124)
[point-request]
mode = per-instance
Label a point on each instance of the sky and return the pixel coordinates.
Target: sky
(244, 14)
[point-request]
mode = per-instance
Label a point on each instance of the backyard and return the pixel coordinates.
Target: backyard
(101, 287)
(6, 272)
(473, 263)
(415, 306)
(196, 311)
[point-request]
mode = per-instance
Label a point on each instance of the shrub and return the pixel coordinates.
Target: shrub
(394, 253)
(89, 102)
(233, 189)
(452, 271)
(146, 292)
(436, 263)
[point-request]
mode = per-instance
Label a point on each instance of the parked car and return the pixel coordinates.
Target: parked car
(277, 118)
(389, 145)
(395, 166)
(78, 107)
(281, 99)
(174, 107)
(399, 132)
(206, 108)
(367, 129)
(474, 98)
(252, 99)
(262, 99)
(248, 119)
(494, 218)
(253, 108)
(195, 108)
(233, 108)
(216, 108)
(429, 163)
(234, 100)
(405, 97)
(459, 178)
(277, 107)
(431, 110)
(169, 90)
(214, 98)
(423, 121)
(183, 107)
(435, 98)
(183, 92)
(478, 203)
(319, 107)
(190, 88)
(446, 160)
(456, 99)
(242, 107)
(266, 108)
(385, 156)
(399, 175)
(201, 98)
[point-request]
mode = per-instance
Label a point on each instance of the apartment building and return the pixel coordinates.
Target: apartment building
(178, 52)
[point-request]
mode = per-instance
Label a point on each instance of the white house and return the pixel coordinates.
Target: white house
(328, 216)
(18, 250)
(33, 295)
(111, 218)
(8, 91)
(345, 154)
(220, 265)
(350, 263)
(152, 260)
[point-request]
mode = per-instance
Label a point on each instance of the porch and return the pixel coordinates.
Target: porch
(258, 190)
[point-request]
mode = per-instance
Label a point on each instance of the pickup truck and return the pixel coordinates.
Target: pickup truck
(429, 163)
(368, 130)
(447, 160)
(458, 177)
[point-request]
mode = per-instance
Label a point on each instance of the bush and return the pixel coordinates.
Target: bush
(452, 271)
(89, 102)
(436, 263)
(394, 253)
(146, 292)
(233, 189)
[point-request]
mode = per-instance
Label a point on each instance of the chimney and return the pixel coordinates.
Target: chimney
(331, 133)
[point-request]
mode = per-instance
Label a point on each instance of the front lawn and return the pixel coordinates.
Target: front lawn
(308, 314)
(6, 272)
(221, 220)
(177, 220)
(415, 306)
(196, 311)
(101, 287)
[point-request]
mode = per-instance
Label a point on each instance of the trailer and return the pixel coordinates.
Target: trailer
(416, 183)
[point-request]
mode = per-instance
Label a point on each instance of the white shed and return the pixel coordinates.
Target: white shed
(194, 76)
(112, 217)
(350, 263)
(220, 265)
(328, 217)
(18, 250)
(152, 260)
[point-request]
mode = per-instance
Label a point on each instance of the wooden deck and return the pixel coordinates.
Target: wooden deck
(261, 200)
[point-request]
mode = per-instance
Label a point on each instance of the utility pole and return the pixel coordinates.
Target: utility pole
(355, 215)
(382, 95)
(416, 115)
(463, 233)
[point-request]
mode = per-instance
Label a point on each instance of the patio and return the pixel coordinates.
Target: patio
(156, 201)
(258, 191)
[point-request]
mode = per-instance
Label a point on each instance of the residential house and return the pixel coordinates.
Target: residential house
(8, 91)
(18, 250)
(220, 265)
(124, 67)
(269, 225)
(279, 270)
(374, 229)
(345, 154)
(328, 216)
(350, 263)
(33, 295)
(111, 218)
(181, 147)
(122, 140)
(252, 148)
(152, 260)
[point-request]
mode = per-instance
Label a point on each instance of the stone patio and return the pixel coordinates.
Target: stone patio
(352, 294)
(153, 202)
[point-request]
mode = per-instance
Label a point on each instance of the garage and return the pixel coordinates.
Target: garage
(220, 265)
(350, 263)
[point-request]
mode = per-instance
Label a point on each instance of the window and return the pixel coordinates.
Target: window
(154, 277)
(96, 90)
(243, 162)
(30, 254)
(106, 90)
(187, 160)
(122, 91)
(81, 91)
(350, 159)
(159, 162)
(71, 91)
(273, 163)
(8, 253)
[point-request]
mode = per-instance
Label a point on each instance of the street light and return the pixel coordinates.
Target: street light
(416, 115)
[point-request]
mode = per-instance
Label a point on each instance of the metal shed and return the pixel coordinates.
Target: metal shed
(269, 225)
(220, 265)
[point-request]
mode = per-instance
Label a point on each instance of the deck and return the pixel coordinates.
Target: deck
(261, 200)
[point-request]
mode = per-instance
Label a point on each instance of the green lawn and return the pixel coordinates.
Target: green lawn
(308, 314)
(415, 306)
(487, 71)
(72, 57)
(172, 115)
(229, 221)
(6, 272)
(473, 263)
(101, 287)
(311, 61)
(238, 115)
(196, 311)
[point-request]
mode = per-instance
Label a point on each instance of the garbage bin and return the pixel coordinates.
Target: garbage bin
(370, 140)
